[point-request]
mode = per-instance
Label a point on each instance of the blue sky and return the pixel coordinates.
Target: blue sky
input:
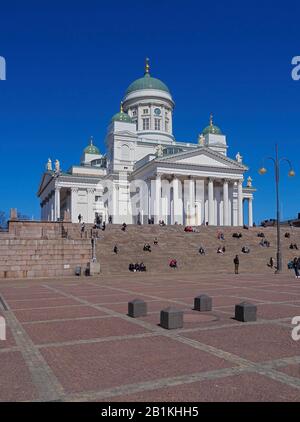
(70, 62)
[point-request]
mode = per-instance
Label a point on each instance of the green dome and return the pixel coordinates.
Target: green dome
(147, 82)
(212, 129)
(91, 149)
(215, 130)
(121, 117)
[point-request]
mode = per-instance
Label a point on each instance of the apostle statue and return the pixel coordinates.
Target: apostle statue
(239, 158)
(201, 140)
(159, 151)
(57, 166)
(49, 165)
(249, 182)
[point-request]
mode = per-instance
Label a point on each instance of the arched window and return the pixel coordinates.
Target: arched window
(125, 152)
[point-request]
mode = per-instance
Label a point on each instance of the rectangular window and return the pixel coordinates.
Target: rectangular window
(146, 124)
(146, 111)
(157, 124)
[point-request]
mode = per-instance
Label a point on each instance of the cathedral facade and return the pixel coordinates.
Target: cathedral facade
(146, 175)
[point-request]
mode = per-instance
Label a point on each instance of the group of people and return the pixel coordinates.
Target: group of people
(293, 246)
(264, 243)
(237, 235)
(137, 267)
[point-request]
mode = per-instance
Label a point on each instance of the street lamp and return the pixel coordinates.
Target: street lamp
(291, 173)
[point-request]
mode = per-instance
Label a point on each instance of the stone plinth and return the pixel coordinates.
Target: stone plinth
(94, 267)
(245, 312)
(171, 318)
(203, 303)
(137, 308)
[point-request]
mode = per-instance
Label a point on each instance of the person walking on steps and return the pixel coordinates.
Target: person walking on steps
(236, 262)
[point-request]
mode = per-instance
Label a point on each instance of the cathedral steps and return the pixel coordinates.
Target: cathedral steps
(175, 243)
(56, 249)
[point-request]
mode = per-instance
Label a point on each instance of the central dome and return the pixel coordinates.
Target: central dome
(147, 82)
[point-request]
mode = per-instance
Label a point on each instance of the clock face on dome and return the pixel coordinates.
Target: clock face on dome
(157, 111)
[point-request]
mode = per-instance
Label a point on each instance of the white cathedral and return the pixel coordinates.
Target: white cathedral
(146, 175)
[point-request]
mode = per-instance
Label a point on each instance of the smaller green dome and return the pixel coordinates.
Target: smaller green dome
(91, 149)
(212, 128)
(121, 116)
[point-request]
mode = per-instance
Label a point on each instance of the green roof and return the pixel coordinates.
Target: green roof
(92, 149)
(212, 129)
(147, 82)
(121, 117)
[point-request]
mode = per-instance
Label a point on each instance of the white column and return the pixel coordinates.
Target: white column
(225, 203)
(157, 201)
(240, 203)
(74, 216)
(210, 202)
(177, 202)
(57, 204)
(191, 216)
(90, 210)
(250, 211)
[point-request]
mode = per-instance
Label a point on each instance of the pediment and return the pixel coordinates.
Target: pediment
(203, 157)
(46, 178)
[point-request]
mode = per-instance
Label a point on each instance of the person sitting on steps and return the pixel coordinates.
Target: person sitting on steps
(173, 263)
(123, 228)
(287, 235)
(143, 267)
(155, 242)
(116, 250)
(147, 247)
(245, 249)
(201, 251)
(220, 250)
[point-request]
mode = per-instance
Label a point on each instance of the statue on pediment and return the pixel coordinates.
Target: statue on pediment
(57, 166)
(201, 140)
(249, 182)
(239, 158)
(159, 151)
(49, 165)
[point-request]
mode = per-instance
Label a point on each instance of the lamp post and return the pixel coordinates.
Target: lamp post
(291, 173)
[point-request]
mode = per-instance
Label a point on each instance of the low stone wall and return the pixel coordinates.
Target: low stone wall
(41, 249)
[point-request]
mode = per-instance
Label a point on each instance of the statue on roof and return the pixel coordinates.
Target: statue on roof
(159, 151)
(249, 182)
(201, 139)
(57, 166)
(49, 165)
(239, 158)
